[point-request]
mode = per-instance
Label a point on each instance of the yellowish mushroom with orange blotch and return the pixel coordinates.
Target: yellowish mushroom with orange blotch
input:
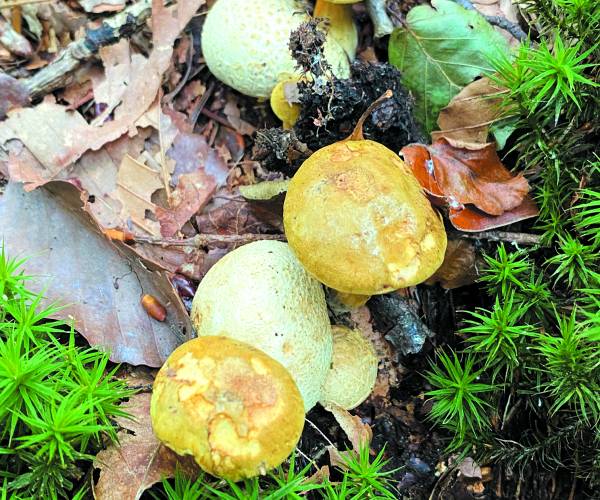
(236, 410)
(357, 219)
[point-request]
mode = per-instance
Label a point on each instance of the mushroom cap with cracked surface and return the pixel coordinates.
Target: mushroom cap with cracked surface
(232, 407)
(358, 220)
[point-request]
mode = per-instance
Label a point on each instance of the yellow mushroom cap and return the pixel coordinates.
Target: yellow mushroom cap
(353, 369)
(260, 294)
(358, 220)
(232, 407)
(287, 112)
(245, 43)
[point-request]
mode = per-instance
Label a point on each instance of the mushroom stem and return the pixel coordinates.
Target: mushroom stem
(357, 133)
(341, 24)
(381, 21)
(352, 300)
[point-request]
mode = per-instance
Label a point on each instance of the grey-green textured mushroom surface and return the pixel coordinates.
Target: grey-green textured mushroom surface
(245, 44)
(260, 294)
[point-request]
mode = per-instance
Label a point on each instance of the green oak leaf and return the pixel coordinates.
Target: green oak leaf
(439, 51)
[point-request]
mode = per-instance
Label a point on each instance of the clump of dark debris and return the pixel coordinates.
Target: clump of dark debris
(331, 107)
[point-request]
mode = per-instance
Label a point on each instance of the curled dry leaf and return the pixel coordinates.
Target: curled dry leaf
(460, 266)
(471, 219)
(465, 122)
(460, 177)
(139, 460)
(359, 434)
(192, 193)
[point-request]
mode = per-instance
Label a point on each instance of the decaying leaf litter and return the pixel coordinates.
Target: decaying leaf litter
(134, 155)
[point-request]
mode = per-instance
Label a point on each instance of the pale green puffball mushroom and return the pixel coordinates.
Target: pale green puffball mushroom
(261, 295)
(245, 44)
(353, 369)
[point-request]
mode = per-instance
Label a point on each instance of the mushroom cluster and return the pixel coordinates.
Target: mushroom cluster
(356, 220)
(235, 397)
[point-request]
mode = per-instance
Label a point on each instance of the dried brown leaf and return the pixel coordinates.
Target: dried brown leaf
(13, 94)
(470, 219)
(232, 112)
(461, 177)
(139, 460)
(460, 267)
(193, 192)
(100, 283)
(136, 182)
(190, 152)
(359, 434)
(64, 136)
(465, 122)
(121, 69)
(469, 468)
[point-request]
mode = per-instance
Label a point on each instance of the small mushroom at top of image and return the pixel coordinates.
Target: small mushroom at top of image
(245, 44)
(235, 409)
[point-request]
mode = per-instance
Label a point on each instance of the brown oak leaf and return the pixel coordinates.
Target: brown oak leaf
(139, 460)
(479, 191)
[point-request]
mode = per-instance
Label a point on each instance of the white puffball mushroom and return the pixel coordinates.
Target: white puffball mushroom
(353, 369)
(245, 44)
(261, 295)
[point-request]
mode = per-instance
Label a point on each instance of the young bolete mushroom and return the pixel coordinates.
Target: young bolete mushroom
(260, 294)
(245, 44)
(353, 369)
(358, 220)
(235, 409)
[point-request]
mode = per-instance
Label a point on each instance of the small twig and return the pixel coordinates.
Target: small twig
(441, 480)
(519, 238)
(216, 117)
(141, 387)
(57, 73)
(202, 240)
(166, 176)
(18, 3)
(201, 103)
(382, 23)
(320, 432)
(14, 42)
(513, 28)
